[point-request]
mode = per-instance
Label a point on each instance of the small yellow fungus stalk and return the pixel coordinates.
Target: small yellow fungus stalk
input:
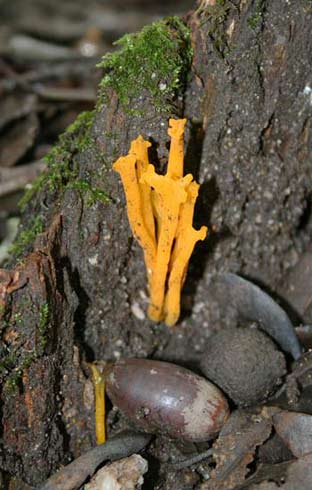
(139, 148)
(127, 169)
(181, 254)
(160, 212)
(99, 376)
(176, 153)
(164, 188)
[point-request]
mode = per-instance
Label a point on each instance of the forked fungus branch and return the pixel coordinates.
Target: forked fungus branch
(160, 212)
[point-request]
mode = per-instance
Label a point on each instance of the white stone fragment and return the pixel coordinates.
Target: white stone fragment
(125, 474)
(307, 91)
(137, 311)
(93, 260)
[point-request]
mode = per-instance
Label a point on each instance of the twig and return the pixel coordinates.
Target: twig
(15, 179)
(185, 463)
(74, 474)
(55, 93)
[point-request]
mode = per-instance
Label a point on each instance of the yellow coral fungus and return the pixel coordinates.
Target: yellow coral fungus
(139, 148)
(127, 168)
(99, 376)
(181, 254)
(160, 212)
(176, 154)
(171, 193)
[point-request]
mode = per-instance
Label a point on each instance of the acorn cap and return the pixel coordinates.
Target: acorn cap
(244, 363)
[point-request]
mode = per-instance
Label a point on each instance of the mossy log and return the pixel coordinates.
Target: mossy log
(76, 289)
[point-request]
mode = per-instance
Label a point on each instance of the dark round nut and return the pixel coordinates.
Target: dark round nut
(162, 397)
(245, 363)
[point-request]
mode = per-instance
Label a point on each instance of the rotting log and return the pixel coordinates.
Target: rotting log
(80, 291)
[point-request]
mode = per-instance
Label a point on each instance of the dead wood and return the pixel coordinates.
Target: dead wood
(248, 102)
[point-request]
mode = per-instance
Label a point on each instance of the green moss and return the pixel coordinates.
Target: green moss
(63, 172)
(155, 60)
(44, 317)
(61, 163)
(254, 20)
(83, 122)
(16, 361)
(10, 370)
(11, 384)
(10, 387)
(18, 318)
(97, 194)
(27, 236)
(91, 194)
(8, 362)
(215, 16)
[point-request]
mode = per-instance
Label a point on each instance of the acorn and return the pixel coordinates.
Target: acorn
(244, 363)
(160, 397)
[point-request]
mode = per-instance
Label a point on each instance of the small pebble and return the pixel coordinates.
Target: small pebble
(125, 474)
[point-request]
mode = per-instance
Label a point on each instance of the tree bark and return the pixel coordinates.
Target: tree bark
(80, 291)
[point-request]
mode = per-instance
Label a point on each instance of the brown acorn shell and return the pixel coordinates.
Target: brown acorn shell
(165, 398)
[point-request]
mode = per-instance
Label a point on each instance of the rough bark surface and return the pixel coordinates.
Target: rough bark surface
(248, 101)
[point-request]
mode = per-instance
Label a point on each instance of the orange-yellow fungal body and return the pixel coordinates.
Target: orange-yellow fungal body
(176, 154)
(126, 167)
(160, 212)
(165, 188)
(181, 254)
(139, 148)
(99, 390)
